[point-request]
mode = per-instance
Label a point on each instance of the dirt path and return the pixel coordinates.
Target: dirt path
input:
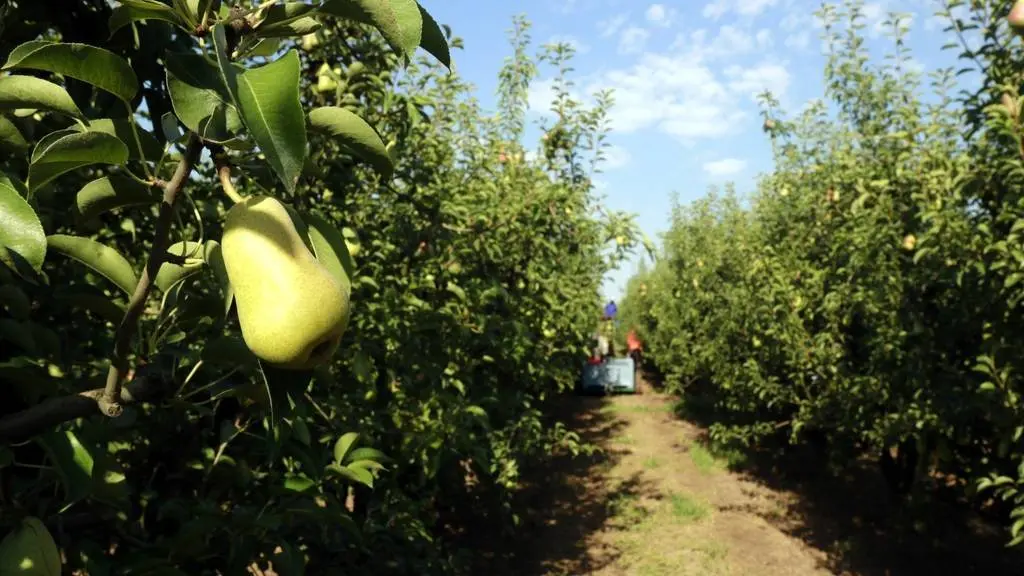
(656, 503)
(670, 508)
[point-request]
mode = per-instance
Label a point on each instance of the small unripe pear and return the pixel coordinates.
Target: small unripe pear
(909, 241)
(1016, 17)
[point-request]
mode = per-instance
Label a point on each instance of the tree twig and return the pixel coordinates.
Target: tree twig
(49, 413)
(109, 401)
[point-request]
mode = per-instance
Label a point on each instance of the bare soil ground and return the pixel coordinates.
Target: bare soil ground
(655, 502)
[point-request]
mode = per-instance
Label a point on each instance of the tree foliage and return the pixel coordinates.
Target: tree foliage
(868, 295)
(136, 426)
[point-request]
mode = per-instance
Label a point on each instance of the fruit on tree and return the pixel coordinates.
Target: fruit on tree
(292, 310)
(30, 550)
(909, 241)
(1016, 17)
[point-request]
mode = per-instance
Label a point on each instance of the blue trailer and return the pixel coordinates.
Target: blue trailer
(611, 375)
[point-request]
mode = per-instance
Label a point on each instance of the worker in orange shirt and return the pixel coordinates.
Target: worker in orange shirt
(634, 348)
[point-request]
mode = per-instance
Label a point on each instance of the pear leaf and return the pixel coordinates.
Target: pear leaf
(141, 10)
(99, 257)
(72, 151)
(171, 272)
(22, 239)
(200, 99)
(330, 249)
(10, 137)
(288, 19)
(399, 21)
(343, 445)
(434, 41)
(214, 257)
(126, 131)
(354, 134)
(267, 99)
(96, 66)
(31, 92)
(110, 193)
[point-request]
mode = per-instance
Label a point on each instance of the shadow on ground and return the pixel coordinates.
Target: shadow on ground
(860, 527)
(564, 501)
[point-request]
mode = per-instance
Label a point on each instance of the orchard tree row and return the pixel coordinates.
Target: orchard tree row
(277, 293)
(867, 299)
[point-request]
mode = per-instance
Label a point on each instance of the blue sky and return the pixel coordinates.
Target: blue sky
(684, 75)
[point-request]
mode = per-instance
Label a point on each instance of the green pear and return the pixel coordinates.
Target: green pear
(292, 310)
(30, 550)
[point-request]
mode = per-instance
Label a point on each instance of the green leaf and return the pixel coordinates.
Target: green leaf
(299, 27)
(99, 257)
(30, 549)
(359, 475)
(200, 99)
(96, 66)
(72, 461)
(141, 10)
(73, 151)
(268, 102)
(22, 239)
(15, 302)
(343, 445)
(94, 301)
(367, 453)
(171, 273)
(11, 138)
(215, 259)
(355, 135)
(434, 41)
(288, 19)
(399, 21)
(298, 483)
(330, 249)
(31, 92)
(110, 193)
(125, 130)
(19, 334)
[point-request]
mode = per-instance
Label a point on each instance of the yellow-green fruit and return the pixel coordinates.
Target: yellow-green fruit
(30, 551)
(293, 312)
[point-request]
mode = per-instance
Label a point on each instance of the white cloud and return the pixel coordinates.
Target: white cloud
(633, 40)
(610, 27)
(689, 92)
(752, 81)
(659, 15)
(764, 39)
(615, 157)
(725, 167)
(798, 41)
(718, 8)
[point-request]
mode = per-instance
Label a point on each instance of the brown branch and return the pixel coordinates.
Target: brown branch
(55, 411)
(109, 401)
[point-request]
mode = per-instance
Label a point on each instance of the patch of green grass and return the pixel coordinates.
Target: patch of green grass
(686, 509)
(616, 408)
(703, 459)
(651, 463)
(626, 509)
(708, 459)
(625, 439)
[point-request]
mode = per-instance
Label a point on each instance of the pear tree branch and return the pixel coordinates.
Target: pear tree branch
(110, 399)
(109, 402)
(41, 417)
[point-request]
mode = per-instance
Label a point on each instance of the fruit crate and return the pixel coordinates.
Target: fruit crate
(611, 375)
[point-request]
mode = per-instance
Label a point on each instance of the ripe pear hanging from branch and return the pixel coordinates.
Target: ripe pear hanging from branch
(292, 310)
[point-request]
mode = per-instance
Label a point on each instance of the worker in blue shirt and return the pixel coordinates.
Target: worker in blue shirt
(610, 310)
